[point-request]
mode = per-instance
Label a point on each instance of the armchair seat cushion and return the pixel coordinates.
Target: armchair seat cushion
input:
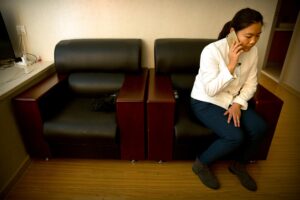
(69, 127)
(188, 130)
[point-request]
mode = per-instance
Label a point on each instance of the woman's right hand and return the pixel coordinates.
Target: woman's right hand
(235, 51)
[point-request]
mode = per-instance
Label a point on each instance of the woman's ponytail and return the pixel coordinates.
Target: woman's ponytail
(225, 30)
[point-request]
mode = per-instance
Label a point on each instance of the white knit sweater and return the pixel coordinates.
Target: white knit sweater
(215, 84)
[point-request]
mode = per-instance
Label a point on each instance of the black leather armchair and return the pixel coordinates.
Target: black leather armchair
(173, 131)
(93, 106)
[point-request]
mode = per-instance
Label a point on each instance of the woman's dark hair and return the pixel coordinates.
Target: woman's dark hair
(241, 20)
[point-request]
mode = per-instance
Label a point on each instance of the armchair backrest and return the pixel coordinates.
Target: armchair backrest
(97, 66)
(180, 59)
(100, 55)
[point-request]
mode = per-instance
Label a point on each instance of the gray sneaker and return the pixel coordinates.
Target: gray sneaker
(205, 175)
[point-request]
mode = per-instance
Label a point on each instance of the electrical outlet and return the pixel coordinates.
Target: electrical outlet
(21, 30)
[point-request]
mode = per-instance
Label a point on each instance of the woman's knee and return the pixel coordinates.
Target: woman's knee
(254, 123)
(235, 138)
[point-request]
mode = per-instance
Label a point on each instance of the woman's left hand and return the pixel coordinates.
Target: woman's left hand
(234, 113)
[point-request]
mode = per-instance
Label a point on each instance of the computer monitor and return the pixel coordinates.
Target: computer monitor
(6, 50)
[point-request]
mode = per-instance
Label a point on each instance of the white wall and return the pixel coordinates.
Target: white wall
(49, 21)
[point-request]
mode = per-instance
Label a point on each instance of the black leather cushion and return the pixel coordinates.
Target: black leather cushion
(101, 55)
(187, 128)
(78, 124)
(178, 55)
(95, 84)
(183, 81)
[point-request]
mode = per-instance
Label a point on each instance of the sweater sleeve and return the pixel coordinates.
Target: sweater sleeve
(214, 72)
(249, 87)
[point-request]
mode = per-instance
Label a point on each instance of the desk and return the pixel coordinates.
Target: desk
(13, 155)
(13, 78)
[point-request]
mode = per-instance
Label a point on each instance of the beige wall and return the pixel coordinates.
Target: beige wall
(48, 22)
(12, 151)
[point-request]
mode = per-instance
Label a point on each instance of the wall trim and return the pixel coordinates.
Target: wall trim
(15, 177)
(290, 89)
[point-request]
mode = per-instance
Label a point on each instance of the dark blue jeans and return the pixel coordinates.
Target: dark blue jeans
(247, 137)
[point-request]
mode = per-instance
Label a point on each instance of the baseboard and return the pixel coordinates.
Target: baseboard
(15, 177)
(270, 76)
(290, 89)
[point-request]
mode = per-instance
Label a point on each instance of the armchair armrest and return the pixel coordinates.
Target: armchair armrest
(269, 107)
(28, 114)
(131, 116)
(160, 117)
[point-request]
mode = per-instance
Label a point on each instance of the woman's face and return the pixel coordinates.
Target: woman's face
(249, 36)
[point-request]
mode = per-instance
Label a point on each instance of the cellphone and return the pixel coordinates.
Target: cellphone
(231, 37)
